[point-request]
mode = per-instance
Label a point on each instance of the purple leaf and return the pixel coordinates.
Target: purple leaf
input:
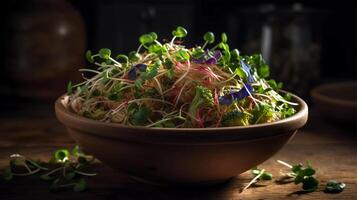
(217, 54)
(239, 95)
(242, 93)
(211, 61)
(246, 68)
(207, 58)
(132, 74)
(225, 100)
(141, 67)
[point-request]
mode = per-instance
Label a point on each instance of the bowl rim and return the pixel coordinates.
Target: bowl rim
(316, 93)
(182, 135)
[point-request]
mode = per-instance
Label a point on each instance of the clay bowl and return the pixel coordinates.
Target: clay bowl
(182, 156)
(337, 101)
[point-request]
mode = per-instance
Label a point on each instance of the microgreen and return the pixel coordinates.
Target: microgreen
(104, 53)
(208, 37)
(147, 39)
(333, 186)
(61, 155)
(180, 32)
(239, 93)
(299, 174)
(65, 169)
(122, 58)
(69, 88)
(134, 56)
(303, 174)
(182, 55)
(89, 56)
(264, 176)
(235, 54)
(141, 116)
(224, 37)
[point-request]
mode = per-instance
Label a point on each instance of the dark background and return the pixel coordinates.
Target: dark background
(311, 42)
(118, 25)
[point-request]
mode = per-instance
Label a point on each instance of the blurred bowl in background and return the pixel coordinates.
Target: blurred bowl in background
(337, 101)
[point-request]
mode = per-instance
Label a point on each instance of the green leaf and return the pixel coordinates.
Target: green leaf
(308, 171)
(170, 73)
(104, 53)
(134, 56)
(83, 89)
(141, 116)
(138, 83)
(168, 64)
(155, 48)
(241, 73)
(122, 58)
(152, 70)
(310, 184)
(266, 176)
(105, 79)
(89, 56)
(182, 55)
(287, 96)
(76, 151)
(61, 155)
(95, 93)
(8, 174)
(146, 39)
(273, 84)
(263, 71)
(226, 56)
(117, 87)
(69, 88)
(208, 37)
(80, 186)
(224, 46)
(298, 179)
(296, 168)
(197, 52)
(334, 187)
(235, 54)
(288, 112)
(180, 32)
(224, 37)
(113, 96)
(153, 35)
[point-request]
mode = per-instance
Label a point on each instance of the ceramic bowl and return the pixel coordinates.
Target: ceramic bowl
(181, 156)
(337, 101)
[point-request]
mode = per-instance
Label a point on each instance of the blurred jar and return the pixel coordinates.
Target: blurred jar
(45, 47)
(289, 40)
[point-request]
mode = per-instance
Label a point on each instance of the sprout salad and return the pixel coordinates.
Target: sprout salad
(173, 86)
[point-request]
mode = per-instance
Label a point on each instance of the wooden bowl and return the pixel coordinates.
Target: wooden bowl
(336, 101)
(181, 156)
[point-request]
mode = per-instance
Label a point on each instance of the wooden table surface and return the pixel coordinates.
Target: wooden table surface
(33, 131)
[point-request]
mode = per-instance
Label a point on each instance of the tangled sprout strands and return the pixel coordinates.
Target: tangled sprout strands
(170, 85)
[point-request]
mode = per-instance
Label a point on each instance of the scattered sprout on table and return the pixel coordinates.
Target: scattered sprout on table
(66, 169)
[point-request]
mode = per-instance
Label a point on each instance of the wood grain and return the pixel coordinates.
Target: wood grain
(330, 148)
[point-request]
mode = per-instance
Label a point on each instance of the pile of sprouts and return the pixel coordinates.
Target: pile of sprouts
(173, 86)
